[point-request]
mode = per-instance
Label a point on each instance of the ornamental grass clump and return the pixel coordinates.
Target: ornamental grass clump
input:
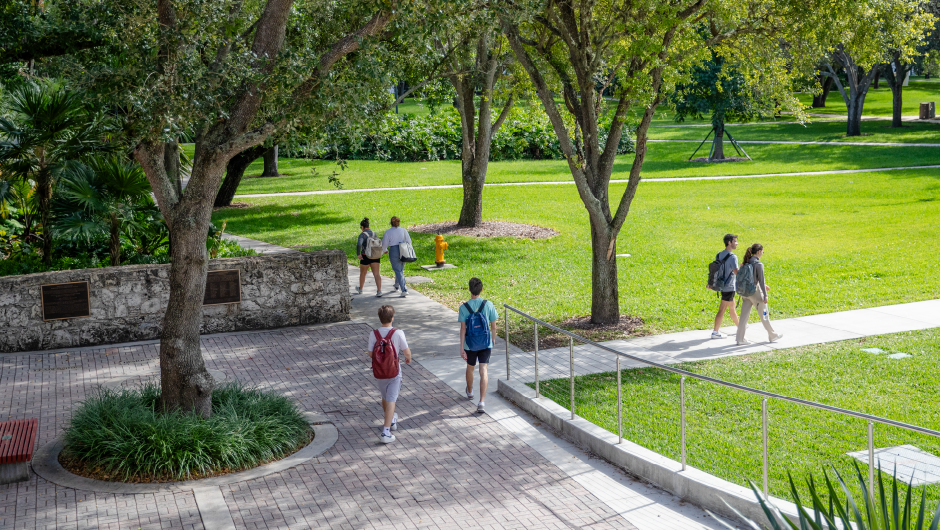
(123, 435)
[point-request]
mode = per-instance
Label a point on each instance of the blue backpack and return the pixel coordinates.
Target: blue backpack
(478, 329)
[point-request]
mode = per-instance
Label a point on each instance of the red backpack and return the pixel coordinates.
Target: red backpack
(384, 356)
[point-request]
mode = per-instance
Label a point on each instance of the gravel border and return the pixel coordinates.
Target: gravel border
(46, 464)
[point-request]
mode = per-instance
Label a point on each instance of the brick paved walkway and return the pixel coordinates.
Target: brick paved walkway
(450, 468)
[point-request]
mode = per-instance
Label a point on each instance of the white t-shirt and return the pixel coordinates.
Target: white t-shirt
(398, 340)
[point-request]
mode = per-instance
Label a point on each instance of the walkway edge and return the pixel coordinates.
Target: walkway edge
(567, 182)
(693, 485)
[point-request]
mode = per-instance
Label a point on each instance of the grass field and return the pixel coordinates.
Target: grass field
(833, 242)
(878, 101)
(663, 160)
(874, 131)
(723, 426)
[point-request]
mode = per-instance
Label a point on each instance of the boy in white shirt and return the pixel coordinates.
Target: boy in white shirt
(389, 388)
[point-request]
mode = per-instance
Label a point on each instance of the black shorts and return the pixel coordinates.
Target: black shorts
(479, 355)
(367, 261)
(727, 296)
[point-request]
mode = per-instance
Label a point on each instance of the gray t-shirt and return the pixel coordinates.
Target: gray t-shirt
(729, 267)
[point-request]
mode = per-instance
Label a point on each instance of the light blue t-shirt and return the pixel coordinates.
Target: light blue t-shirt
(489, 311)
(730, 265)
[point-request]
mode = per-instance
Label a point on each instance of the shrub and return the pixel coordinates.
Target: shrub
(526, 134)
(892, 509)
(123, 433)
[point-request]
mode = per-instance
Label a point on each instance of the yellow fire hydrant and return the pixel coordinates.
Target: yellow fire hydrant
(439, 247)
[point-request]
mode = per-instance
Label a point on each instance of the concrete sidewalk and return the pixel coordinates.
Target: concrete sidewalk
(697, 345)
(432, 331)
(613, 181)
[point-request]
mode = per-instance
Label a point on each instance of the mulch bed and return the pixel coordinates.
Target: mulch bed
(725, 159)
(629, 326)
(487, 229)
(234, 205)
(84, 469)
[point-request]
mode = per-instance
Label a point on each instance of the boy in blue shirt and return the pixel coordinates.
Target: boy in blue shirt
(469, 311)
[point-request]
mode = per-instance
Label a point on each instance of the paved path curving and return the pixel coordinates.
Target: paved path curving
(570, 182)
(811, 142)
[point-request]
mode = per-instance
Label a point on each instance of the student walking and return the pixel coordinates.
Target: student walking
(385, 344)
(477, 319)
(367, 246)
(724, 283)
(393, 237)
(753, 290)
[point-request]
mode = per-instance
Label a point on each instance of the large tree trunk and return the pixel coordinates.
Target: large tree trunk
(819, 100)
(471, 212)
(897, 90)
(718, 144)
(270, 163)
(605, 297)
(854, 94)
(44, 190)
(234, 172)
(854, 118)
(115, 241)
(477, 127)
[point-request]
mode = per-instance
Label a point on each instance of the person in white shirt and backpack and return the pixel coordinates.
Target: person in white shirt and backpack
(397, 242)
(369, 252)
(385, 345)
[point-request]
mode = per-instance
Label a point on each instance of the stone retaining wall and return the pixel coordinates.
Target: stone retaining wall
(128, 302)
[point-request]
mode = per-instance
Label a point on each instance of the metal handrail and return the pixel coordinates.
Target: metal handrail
(764, 393)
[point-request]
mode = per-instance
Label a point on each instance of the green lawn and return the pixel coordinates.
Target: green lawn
(663, 160)
(723, 426)
(878, 101)
(829, 131)
(832, 242)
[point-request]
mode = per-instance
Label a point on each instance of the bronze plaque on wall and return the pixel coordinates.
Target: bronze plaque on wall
(223, 287)
(65, 300)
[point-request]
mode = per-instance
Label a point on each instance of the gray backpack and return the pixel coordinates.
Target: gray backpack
(372, 248)
(747, 281)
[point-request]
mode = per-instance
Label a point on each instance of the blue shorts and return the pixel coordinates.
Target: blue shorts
(479, 355)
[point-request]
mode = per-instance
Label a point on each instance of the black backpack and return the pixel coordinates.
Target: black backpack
(716, 271)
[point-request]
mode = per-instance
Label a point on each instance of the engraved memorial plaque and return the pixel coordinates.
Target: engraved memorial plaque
(223, 287)
(65, 300)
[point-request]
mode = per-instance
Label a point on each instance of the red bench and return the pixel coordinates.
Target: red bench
(17, 440)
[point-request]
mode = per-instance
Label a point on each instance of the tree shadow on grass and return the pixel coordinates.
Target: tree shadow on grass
(279, 217)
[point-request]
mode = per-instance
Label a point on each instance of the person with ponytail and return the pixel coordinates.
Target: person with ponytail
(365, 261)
(757, 298)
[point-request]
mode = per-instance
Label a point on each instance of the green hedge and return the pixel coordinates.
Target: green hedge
(526, 134)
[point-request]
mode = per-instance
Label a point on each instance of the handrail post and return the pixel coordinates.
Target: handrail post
(507, 342)
(682, 418)
(536, 360)
(871, 459)
(619, 405)
(765, 455)
(571, 363)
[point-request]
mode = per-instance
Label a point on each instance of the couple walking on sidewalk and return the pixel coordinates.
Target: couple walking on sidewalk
(748, 281)
(477, 319)
(396, 242)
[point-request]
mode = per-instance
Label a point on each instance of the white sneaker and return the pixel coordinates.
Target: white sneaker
(403, 294)
(387, 438)
(775, 337)
(470, 394)
(378, 294)
(718, 335)
(394, 426)
(358, 290)
(744, 342)
(480, 407)
(395, 287)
